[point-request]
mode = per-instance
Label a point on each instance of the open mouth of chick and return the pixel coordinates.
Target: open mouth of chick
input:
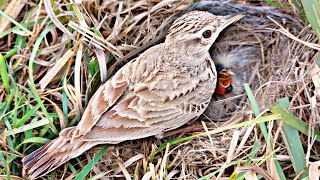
(224, 82)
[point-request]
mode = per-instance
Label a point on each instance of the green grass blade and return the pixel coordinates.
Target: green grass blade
(254, 151)
(297, 5)
(65, 101)
(164, 145)
(73, 170)
(7, 104)
(294, 122)
(276, 4)
(2, 159)
(33, 140)
(5, 164)
(15, 22)
(27, 116)
(86, 170)
(31, 80)
(312, 10)
(27, 127)
(256, 109)
(2, 2)
(11, 52)
(14, 112)
(2, 107)
(262, 126)
(293, 143)
(9, 31)
(4, 73)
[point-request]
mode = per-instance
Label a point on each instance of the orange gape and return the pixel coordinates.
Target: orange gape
(224, 83)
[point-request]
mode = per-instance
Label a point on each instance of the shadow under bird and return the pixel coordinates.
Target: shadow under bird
(165, 87)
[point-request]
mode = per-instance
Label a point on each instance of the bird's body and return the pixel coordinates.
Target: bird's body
(146, 99)
(162, 89)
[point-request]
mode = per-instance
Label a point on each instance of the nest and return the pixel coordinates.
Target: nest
(274, 65)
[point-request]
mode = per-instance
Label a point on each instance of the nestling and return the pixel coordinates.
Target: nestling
(162, 89)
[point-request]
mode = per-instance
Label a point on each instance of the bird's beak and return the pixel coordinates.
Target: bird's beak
(230, 72)
(227, 22)
(224, 24)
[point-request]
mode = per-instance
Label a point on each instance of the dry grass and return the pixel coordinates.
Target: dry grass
(47, 80)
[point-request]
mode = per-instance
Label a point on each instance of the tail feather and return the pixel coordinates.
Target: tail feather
(52, 155)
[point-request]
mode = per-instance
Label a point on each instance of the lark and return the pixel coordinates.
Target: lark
(162, 89)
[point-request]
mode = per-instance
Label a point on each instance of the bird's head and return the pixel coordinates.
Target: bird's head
(196, 31)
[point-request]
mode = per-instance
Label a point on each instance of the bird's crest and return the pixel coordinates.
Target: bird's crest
(192, 22)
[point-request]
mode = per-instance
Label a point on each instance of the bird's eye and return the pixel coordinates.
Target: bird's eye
(206, 34)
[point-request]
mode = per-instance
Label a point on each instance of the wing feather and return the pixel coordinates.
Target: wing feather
(140, 100)
(115, 88)
(115, 135)
(128, 123)
(101, 101)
